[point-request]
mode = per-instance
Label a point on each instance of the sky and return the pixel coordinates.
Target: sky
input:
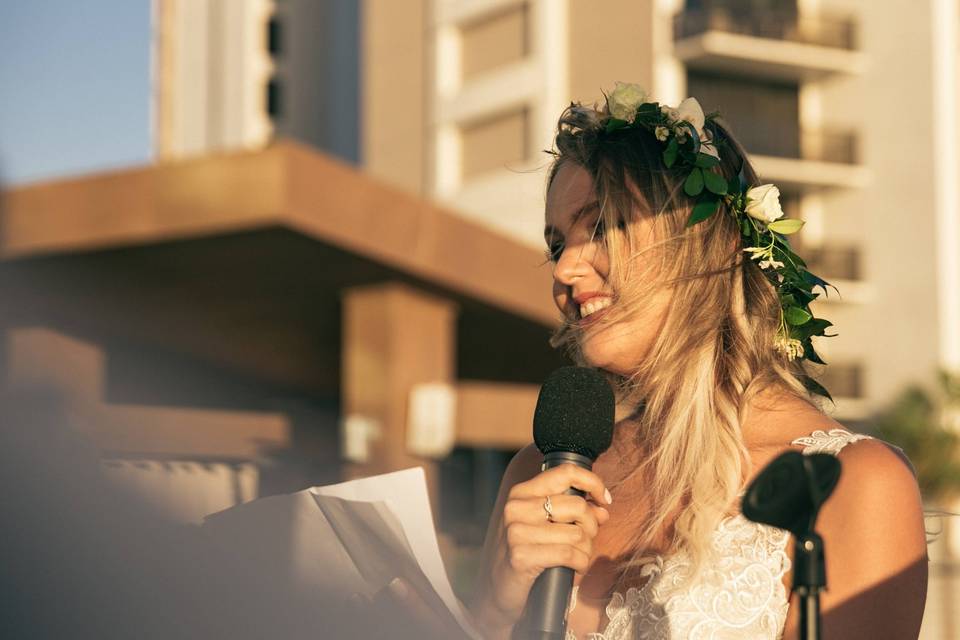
(75, 83)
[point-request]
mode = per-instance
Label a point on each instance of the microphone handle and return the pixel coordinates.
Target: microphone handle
(546, 617)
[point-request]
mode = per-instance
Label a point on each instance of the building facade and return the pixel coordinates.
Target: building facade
(848, 105)
(456, 100)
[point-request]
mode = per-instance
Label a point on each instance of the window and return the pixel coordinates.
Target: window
(494, 41)
(764, 115)
(494, 143)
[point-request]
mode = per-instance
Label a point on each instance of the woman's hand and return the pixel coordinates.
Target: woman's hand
(529, 541)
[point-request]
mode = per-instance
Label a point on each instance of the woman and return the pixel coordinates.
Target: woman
(674, 276)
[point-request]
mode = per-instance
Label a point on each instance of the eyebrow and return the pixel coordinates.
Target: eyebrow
(550, 230)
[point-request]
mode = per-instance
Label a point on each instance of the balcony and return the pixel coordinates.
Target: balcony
(822, 160)
(776, 46)
(842, 267)
(847, 384)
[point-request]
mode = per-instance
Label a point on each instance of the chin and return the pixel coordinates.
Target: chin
(618, 349)
(606, 355)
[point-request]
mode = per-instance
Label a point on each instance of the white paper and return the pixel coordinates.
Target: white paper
(353, 537)
(404, 494)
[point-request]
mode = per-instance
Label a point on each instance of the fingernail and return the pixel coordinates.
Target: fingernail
(607, 496)
(398, 588)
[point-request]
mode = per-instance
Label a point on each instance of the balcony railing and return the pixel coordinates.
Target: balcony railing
(843, 379)
(838, 33)
(830, 146)
(820, 146)
(834, 263)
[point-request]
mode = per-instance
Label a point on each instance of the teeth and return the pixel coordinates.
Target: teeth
(593, 306)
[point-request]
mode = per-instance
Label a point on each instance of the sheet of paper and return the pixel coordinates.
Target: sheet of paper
(318, 546)
(293, 572)
(404, 493)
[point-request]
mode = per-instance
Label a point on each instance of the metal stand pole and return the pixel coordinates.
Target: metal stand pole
(809, 578)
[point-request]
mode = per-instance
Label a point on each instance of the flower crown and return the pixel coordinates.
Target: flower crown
(689, 147)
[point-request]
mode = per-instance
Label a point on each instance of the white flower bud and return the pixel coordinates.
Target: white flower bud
(662, 133)
(763, 203)
(624, 101)
(690, 111)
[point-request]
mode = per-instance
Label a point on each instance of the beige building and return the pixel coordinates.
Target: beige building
(455, 100)
(849, 106)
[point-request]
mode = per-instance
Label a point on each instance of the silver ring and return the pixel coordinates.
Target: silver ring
(548, 507)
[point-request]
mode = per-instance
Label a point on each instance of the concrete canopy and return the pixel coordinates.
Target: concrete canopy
(238, 264)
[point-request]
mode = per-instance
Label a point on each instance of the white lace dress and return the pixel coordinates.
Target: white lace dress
(740, 595)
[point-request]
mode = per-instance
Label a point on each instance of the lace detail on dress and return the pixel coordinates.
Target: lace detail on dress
(828, 441)
(739, 594)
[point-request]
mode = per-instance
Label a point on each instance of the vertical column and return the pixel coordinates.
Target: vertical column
(393, 42)
(394, 338)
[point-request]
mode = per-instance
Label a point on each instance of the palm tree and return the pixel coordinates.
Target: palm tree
(926, 425)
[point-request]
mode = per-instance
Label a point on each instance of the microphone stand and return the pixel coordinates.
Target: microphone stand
(810, 572)
(809, 578)
(788, 494)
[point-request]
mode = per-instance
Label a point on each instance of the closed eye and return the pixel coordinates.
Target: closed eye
(600, 228)
(553, 252)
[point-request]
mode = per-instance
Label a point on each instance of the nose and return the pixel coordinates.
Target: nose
(574, 263)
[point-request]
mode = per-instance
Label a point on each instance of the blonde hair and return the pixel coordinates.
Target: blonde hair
(714, 352)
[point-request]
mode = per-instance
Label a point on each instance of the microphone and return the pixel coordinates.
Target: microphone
(573, 423)
(788, 494)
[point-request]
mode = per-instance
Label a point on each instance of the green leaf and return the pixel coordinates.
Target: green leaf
(648, 109)
(815, 328)
(693, 140)
(815, 387)
(804, 298)
(783, 253)
(733, 186)
(706, 207)
(786, 226)
(814, 281)
(705, 161)
(714, 182)
(670, 153)
(818, 327)
(615, 123)
(810, 354)
(745, 228)
(797, 316)
(693, 185)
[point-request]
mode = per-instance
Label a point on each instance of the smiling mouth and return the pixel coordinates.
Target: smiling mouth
(593, 309)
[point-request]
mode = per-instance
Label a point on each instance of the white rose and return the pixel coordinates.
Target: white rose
(690, 111)
(662, 133)
(763, 203)
(624, 100)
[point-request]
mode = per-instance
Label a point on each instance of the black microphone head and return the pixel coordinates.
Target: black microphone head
(574, 413)
(789, 492)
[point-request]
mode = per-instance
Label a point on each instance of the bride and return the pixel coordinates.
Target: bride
(673, 272)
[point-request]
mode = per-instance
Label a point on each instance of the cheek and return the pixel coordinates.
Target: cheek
(618, 348)
(621, 347)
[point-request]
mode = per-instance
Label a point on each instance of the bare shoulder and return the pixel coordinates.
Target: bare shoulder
(878, 464)
(873, 533)
(776, 420)
(878, 490)
(878, 486)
